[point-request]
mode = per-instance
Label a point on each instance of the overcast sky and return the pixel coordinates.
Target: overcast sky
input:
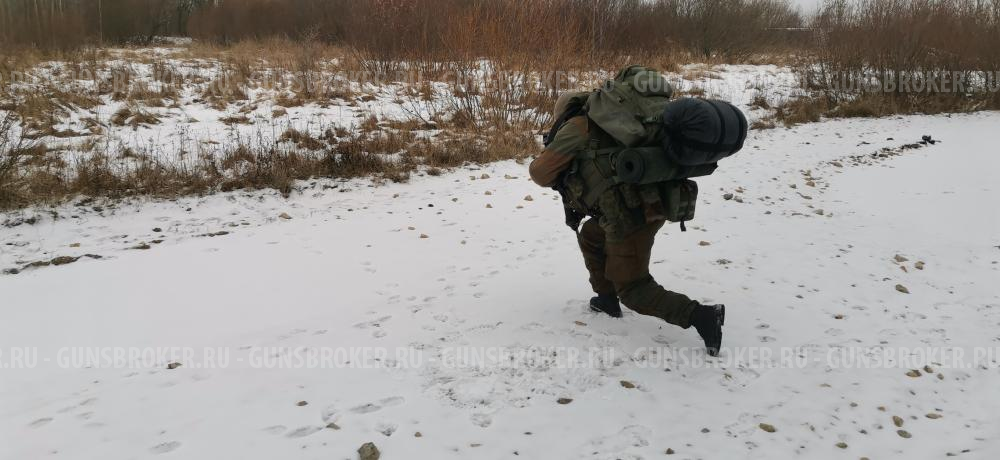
(808, 6)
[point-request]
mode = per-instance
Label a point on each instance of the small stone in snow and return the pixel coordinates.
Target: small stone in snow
(727, 196)
(173, 366)
(903, 289)
(627, 384)
(900, 259)
(368, 451)
(423, 236)
(157, 230)
(484, 176)
(418, 435)
(897, 420)
(489, 206)
(913, 373)
(842, 445)
(705, 430)
(904, 434)
(63, 260)
(670, 451)
(529, 198)
(919, 265)
(302, 403)
(285, 216)
(704, 243)
(333, 426)
(933, 416)
(767, 427)
(564, 401)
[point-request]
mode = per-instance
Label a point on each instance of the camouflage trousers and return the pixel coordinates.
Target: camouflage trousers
(621, 267)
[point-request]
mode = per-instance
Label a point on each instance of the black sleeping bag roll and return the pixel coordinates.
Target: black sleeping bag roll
(702, 131)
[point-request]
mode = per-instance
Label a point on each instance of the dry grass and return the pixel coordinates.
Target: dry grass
(134, 116)
(303, 140)
(32, 175)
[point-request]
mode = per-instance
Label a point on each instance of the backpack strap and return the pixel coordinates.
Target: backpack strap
(574, 110)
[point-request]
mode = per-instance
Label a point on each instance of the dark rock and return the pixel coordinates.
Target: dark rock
(368, 451)
(63, 260)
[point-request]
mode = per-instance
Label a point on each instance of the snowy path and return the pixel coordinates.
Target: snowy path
(810, 267)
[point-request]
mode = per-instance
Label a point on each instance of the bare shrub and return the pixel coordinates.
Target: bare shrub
(896, 56)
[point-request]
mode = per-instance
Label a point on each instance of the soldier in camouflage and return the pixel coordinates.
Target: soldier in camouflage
(617, 239)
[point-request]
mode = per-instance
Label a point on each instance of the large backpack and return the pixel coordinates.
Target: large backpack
(648, 146)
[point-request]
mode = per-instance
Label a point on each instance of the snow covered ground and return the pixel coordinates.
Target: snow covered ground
(811, 253)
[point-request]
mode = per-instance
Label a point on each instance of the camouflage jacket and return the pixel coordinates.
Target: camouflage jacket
(618, 208)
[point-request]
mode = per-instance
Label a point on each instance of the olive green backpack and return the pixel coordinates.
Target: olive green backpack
(645, 148)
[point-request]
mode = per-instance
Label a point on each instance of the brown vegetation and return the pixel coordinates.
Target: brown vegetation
(849, 42)
(881, 57)
(31, 175)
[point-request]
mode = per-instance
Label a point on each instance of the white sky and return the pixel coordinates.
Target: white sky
(808, 6)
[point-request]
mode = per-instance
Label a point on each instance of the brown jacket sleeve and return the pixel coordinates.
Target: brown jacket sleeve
(558, 156)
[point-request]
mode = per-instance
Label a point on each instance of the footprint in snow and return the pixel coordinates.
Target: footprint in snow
(303, 431)
(386, 428)
(618, 445)
(482, 420)
(376, 406)
(661, 339)
(165, 447)
(276, 429)
(40, 422)
(375, 323)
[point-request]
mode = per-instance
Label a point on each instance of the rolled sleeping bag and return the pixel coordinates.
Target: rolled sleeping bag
(650, 165)
(644, 165)
(702, 131)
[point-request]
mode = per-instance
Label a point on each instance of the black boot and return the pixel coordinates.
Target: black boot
(607, 303)
(708, 320)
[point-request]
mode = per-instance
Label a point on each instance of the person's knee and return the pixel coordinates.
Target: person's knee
(591, 240)
(634, 293)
